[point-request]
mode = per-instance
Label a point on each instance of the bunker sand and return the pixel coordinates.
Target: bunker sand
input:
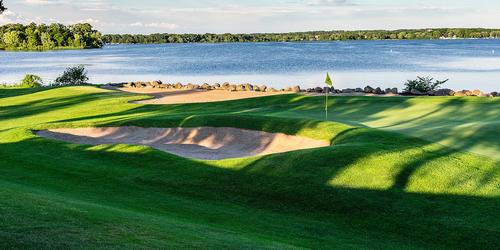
(175, 96)
(206, 143)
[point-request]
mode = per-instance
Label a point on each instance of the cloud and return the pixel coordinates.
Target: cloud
(161, 25)
(83, 5)
(328, 2)
(238, 16)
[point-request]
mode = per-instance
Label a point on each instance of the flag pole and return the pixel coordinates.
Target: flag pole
(329, 84)
(326, 105)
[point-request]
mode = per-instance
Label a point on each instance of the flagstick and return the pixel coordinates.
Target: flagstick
(329, 83)
(326, 105)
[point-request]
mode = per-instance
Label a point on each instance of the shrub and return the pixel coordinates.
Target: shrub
(423, 84)
(73, 75)
(31, 81)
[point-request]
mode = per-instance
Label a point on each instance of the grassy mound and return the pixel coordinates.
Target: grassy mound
(372, 189)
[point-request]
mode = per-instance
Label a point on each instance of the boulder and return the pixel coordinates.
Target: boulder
(460, 93)
(248, 87)
(416, 92)
(360, 90)
(178, 85)
(144, 84)
(233, 87)
(129, 85)
(348, 91)
(263, 88)
(271, 90)
(494, 94)
(216, 86)
(393, 91)
(318, 90)
(477, 92)
(226, 86)
(256, 88)
(378, 91)
(240, 87)
(156, 84)
(296, 89)
(444, 92)
(190, 86)
(206, 86)
(368, 89)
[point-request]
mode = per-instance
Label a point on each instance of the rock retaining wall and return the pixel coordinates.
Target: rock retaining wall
(263, 88)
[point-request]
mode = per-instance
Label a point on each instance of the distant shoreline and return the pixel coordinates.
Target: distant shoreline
(326, 41)
(312, 36)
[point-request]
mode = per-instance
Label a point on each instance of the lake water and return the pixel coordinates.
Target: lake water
(469, 64)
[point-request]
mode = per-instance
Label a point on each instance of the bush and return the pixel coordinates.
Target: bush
(73, 75)
(31, 81)
(423, 85)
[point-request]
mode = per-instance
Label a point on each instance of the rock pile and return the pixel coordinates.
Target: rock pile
(263, 88)
(217, 86)
(366, 90)
(449, 92)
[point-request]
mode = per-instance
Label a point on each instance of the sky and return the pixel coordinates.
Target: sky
(250, 16)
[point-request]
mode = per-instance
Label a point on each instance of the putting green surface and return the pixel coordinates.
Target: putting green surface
(412, 173)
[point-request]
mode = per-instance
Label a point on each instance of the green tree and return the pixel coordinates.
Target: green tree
(33, 36)
(47, 42)
(43, 37)
(12, 39)
(31, 81)
(2, 8)
(73, 75)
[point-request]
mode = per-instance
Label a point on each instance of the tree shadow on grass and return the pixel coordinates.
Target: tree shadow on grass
(41, 106)
(292, 184)
(11, 92)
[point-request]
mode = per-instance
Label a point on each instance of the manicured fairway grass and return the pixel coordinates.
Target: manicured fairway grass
(372, 189)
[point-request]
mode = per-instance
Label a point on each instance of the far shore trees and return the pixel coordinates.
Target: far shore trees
(48, 37)
(443, 33)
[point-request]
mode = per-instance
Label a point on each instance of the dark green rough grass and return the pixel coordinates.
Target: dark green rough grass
(371, 189)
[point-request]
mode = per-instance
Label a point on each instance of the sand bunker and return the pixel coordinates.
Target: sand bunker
(200, 143)
(176, 96)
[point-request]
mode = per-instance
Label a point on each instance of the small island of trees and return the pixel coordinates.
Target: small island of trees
(305, 36)
(49, 37)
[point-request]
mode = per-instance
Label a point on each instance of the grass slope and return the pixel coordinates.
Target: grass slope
(371, 189)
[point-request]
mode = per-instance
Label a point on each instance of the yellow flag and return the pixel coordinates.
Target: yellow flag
(328, 80)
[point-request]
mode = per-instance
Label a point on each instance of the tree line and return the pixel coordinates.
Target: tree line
(304, 36)
(2, 8)
(48, 37)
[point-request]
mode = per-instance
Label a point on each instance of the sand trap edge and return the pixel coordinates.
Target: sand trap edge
(204, 143)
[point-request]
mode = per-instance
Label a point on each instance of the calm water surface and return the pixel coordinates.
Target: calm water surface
(467, 63)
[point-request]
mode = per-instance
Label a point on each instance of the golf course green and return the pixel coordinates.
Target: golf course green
(401, 173)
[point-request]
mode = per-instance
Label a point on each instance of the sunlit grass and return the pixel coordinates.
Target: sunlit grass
(370, 189)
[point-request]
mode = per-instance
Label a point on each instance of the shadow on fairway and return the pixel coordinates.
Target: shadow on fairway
(293, 184)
